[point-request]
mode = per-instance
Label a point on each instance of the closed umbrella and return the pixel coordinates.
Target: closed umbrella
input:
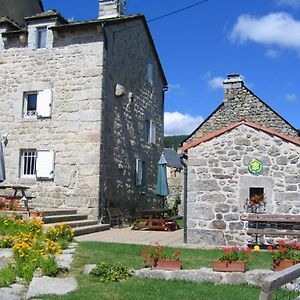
(2, 166)
(162, 188)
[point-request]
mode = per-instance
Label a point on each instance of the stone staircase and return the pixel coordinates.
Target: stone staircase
(79, 222)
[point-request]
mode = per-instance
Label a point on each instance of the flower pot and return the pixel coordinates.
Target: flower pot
(281, 264)
(225, 266)
(166, 264)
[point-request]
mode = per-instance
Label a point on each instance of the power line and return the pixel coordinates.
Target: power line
(165, 15)
(177, 11)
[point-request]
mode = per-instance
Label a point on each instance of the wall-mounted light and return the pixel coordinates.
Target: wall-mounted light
(4, 138)
(23, 38)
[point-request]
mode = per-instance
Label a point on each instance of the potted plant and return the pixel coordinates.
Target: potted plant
(232, 260)
(255, 204)
(285, 255)
(162, 258)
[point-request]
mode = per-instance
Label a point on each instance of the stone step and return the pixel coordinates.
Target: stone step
(55, 212)
(90, 229)
(63, 218)
(75, 224)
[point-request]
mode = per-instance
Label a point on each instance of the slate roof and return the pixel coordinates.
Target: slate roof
(219, 132)
(52, 13)
(7, 20)
(172, 158)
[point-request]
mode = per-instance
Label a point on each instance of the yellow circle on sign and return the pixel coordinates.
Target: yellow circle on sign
(255, 166)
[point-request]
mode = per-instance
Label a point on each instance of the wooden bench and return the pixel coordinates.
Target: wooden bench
(273, 225)
(115, 216)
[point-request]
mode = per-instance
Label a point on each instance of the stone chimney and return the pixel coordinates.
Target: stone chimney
(233, 81)
(111, 8)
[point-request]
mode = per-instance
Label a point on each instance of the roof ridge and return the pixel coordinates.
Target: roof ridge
(221, 131)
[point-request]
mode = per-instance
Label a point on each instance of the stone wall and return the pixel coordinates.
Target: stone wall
(219, 182)
(240, 104)
(128, 55)
(175, 182)
(21, 9)
(73, 69)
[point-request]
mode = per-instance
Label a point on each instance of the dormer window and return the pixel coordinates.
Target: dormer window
(41, 37)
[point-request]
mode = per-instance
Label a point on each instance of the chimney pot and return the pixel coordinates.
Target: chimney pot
(233, 81)
(111, 8)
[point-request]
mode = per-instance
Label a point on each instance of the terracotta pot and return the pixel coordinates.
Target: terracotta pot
(224, 266)
(166, 264)
(281, 264)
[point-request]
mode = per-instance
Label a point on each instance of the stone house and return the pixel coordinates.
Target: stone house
(241, 133)
(82, 104)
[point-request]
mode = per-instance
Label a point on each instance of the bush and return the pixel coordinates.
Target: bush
(60, 232)
(49, 266)
(109, 272)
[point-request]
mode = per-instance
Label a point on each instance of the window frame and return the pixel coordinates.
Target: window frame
(38, 39)
(150, 72)
(22, 162)
(25, 105)
(139, 172)
(149, 131)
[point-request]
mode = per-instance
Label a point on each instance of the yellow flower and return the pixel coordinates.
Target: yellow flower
(256, 248)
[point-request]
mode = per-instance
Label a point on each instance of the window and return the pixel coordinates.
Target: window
(30, 101)
(253, 191)
(150, 132)
(37, 163)
(41, 38)
(28, 163)
(37, 104)
(139, 172)
(150, 73)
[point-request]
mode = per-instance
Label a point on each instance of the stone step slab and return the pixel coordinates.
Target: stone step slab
(75, 224)
(55, 212)
(90, 229)
(64, 218)
(45, 285)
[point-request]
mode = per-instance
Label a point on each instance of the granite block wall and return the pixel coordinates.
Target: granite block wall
(219, 183)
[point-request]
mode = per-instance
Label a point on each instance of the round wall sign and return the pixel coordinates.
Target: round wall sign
(255, 166)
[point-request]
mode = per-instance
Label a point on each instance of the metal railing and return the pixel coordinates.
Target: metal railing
(282, 285)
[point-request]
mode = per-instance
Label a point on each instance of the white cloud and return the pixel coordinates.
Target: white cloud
(291, 97)
(292, 3)
(176, 89)
(271, 53)
(177, 123)
(279, 29)
(216, 82)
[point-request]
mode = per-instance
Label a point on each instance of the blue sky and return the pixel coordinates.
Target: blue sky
(259, 39)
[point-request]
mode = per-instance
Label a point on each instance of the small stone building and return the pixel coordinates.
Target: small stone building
(82, 105)
(174, 176)
(243, 148)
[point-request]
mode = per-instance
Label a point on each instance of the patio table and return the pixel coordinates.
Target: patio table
(156, 219)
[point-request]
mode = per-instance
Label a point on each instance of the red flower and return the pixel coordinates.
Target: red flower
(270, 248)
(177, 252)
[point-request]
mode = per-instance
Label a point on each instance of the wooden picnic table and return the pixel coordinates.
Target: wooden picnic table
(16, 189)
(156, 219)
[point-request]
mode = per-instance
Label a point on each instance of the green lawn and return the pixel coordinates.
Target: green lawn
(129, 255)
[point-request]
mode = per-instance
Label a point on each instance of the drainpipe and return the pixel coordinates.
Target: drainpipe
(102, 205)
(183, 157)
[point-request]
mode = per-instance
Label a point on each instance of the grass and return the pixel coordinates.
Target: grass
(130, 256)
(7, 276)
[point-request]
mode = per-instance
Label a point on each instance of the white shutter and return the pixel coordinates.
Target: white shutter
(45, 164)
(152, 132)
(44, 101)
(138, 172)
(150, 73)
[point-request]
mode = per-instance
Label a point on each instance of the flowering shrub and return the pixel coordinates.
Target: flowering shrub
(31, 247)
(236, 254)
(157, 252)
(60, 231)
(255, 204)
(284, 250)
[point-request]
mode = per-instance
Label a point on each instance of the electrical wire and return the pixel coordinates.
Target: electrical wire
(177, 11)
